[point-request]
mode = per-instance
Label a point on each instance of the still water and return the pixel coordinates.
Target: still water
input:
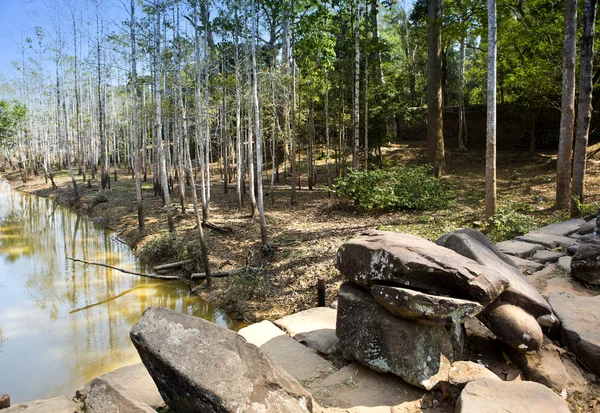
(63, 323)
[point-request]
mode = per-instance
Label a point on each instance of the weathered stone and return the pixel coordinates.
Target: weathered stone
(549, 241)
(56, 405)
(137, 382)
(564, 263)
(378, 257)
(520, 292)
(418, 353)
(201, 367)
(463, 372)
(425, 308)
(458, 337)
(585, 264)
(527, 266)
(565, 228)
(544, 256)
(518, 248)
(490, 396)
(315, 327)
(580, 326)
(105, 396)
(300, 362)
(586, 228)
(358, 389)
(513, 325)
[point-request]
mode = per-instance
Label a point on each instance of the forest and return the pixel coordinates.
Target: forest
(244, 102)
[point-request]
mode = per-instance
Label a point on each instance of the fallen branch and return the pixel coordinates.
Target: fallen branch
(159, 277)
(223, 273)
(221, 230)
(172, 265)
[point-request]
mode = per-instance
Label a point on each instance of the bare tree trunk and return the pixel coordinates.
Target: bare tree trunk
(238, 138)
(435, 129)
(293, 138)
(311, 140)
(356, 113)
(181, 123)
(584, 105)
(251, 176)
(490, 153)
(461, 81)
(104, 172)
(327, 129)
(136, 127)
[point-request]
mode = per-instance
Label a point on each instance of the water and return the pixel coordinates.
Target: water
(63, 323)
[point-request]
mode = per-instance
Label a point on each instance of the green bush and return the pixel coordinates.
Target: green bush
(193, 252)
(400, 188)
(163, 249)
(510, 222)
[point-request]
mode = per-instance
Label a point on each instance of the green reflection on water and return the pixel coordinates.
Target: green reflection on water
(63, 323)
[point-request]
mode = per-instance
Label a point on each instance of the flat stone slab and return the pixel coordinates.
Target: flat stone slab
(545, 256)
(580, 326)
(298, 360)
(106, 396)
(137, 382)
(565, 228)
(356, 388)
(564, 263)
(314, 327)
(527, 265)
(518, 248)
(489, 395)
(425, 308)
(586, 228)
(549, 241)
(56, 405)
(463, 372)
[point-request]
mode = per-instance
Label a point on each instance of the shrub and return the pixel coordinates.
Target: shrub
(400, 188)
(193, 252)
(163, 249)
(508, 223)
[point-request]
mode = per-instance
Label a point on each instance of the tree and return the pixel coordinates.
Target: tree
(136, 137)
(490, 152)
(435, 130)
(584, 106)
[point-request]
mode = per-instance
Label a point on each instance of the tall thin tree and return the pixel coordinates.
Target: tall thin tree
(490, 152)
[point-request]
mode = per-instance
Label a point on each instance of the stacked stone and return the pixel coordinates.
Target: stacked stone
(405, 300)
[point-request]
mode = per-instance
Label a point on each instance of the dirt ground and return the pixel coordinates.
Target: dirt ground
(308, 234)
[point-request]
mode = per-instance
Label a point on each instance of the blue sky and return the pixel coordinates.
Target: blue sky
(17, 18)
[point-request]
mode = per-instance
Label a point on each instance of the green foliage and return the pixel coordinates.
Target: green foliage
(400, 188)
(11, 116)
(511, 222)
(240, 289)
(163, 249)
(193, 252)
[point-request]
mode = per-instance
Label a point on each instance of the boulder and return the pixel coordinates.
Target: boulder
(458, 337)
(513, 325)
(549, 241)
(490, 396)
(315, 327)
(136, 380)
(201, 367)
(299, 361)
(545, 256)
(403, 260)
(518, 248)
(418, 353)
(564, 263)
(527, 266)
(586, 228)
(425, 308)
(463, 372)
(580, 326)
(585, 264)
(56, 405)
(565, 228)
(105, 396)
(519, 292)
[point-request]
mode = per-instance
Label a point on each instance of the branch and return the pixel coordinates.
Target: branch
(159, 277)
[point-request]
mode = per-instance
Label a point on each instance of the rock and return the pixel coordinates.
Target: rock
(527, 265)
(549, 241)
(105, 396)
(425, 308)
(513, 325)
(201, 367)
(564, 263)
(136, 380)
(586, 228)
(358, 389)
(403, 260)
(56, 405)
(458, 337)
(518, 248)
(315, 327)
(585, 264)
(490, 396)
(520, 292)
(334, 305)
(300, 362)
(463, 372)
(544, 256)
(562, 228)
(580, 326)
(418, 353)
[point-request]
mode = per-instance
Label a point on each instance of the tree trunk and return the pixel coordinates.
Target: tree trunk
(435, 130)
(490, 153)
(136, 126)
(584, 105)
(356, 113)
